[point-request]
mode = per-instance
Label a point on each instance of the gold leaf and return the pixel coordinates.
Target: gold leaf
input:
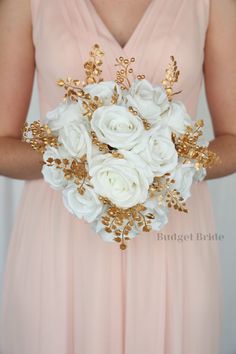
(60, 82)
(122, 246)
(171, 77)
(39, 136)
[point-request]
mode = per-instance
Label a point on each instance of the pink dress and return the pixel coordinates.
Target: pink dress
(66, 291)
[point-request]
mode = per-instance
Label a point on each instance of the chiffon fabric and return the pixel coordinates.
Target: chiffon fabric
(66, 291)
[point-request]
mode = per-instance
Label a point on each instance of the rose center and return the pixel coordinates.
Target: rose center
(121, 126)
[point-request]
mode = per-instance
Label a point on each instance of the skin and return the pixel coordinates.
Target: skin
(17, 65)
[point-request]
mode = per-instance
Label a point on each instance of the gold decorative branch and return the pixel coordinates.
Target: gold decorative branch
(72, 87)
(92, 66)
(161, 189)
(73, 170)
(171, 77)
(187, 147)
(39, 136)
(121, 221)
(93, 70)
(174, 199)
(146, 124)
(90, 104)
(122, 75)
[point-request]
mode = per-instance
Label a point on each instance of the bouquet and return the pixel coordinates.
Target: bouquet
(122, 152)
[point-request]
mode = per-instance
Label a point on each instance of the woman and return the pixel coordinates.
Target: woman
(66, 291)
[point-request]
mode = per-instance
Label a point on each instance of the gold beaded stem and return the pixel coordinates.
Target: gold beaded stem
(171, 77)
(122, 75)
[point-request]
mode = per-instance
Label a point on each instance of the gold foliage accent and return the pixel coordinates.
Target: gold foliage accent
(115, 96)
(93, 70)
(104, 147)
(93, 65)
(160, 184)
(90, 104)
(122, 75)
(39, 136)
(187, 147)
(174, 199)
(73, 89)
(171, 77)
(121, 221)
(161, 189)
(117, 154)
(74, 93)
(146, 124)
(73, 170)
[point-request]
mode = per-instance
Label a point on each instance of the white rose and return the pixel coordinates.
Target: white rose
(124, 182)
(53, 175)
(183, 176)
(116, 126)
(150, 101)
(177, 118)
(85, 206)
(158, 151)
(104, 90)
(75, 139)
(63, 114)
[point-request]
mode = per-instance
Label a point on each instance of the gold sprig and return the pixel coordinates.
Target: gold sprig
(160, 184)
(104, 147)
(171, 77)
(90, 104)
(146, 124)
(115, 96)
(115, 153)
(161, 188)
(187, 147)
(75, 170)
(140, 77)
(174, 199)
(122, 75)
(39, 136)
(92, 66)
(93, 70)
(74, 93)
(122, 221)
(73, 89)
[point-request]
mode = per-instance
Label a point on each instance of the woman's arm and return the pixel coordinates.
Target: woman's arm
(220, 80)
(17, 159)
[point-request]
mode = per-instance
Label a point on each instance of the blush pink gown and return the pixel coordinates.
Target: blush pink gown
(66, 291)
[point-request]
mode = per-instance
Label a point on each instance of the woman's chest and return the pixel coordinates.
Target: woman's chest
(64, 33)
(121, 18)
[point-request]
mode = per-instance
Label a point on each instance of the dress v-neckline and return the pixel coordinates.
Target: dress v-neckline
(110, 34)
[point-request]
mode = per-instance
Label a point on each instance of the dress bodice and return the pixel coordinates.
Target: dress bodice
(64, 32)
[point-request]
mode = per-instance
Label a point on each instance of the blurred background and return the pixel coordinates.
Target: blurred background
(223, 193)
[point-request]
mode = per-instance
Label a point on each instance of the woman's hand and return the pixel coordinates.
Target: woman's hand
(220, 80)
(17, 159)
